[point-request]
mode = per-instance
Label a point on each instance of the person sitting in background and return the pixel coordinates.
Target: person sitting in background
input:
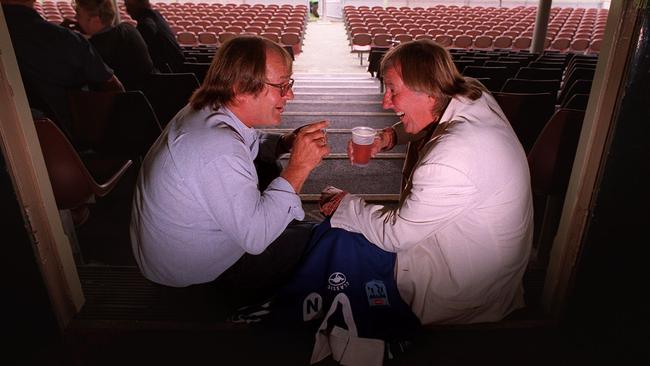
(53, 59)
(161, 41)
(200, 212)
(313, 8)
(121, 46)
(462, 230)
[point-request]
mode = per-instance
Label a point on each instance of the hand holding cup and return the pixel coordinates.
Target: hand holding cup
(361, 146)
(309, 145)
(384, 140)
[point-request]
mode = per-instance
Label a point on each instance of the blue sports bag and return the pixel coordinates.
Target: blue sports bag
(339, 261)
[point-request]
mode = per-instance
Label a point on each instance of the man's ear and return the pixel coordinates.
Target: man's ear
(432, 100)
(239, 98)
(237, 91)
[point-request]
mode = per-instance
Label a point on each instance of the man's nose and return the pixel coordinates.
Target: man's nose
(386, 102)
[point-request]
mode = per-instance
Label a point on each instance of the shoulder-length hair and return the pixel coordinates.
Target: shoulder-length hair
(104, 9)
(238, 67)
(427, 67)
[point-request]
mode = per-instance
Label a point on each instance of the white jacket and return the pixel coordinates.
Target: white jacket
(463, 233)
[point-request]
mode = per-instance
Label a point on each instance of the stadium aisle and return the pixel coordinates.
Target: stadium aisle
(326, 50)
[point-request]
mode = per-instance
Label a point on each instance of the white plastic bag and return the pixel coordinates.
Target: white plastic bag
(344, 345)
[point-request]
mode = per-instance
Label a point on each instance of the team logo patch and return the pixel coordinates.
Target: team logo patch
(376, 293)
(337, 282)
(312, 307)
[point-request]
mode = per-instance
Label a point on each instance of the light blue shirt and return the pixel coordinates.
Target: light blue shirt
(197, 207)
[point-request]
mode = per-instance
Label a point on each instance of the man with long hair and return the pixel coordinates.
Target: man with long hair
(462, 230)
(199, 213)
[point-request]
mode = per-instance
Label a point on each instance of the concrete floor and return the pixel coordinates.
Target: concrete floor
(326, 51)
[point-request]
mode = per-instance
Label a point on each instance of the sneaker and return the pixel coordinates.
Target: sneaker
(252, 313)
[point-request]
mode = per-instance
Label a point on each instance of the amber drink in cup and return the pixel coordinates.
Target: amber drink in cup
(362, 139)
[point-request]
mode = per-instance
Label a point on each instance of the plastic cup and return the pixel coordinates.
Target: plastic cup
(362, 139)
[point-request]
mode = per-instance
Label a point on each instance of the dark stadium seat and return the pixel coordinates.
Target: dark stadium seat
(199, 69)
(532, 73)
(168, 93)
(577, 101)
(546, 65)
(73, 186)
(550, 161)
(531, 86)
(577, 87)
(578, 73)
(527, 113)
(512, 66)
(497, 75)
(116, 124)
(461, 64)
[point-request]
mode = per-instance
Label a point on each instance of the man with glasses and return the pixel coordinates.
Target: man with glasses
(200, 214)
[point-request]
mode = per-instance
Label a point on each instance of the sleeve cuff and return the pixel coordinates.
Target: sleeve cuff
(339, 219)
(290, 196)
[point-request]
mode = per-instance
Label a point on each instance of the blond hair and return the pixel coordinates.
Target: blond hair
(104, 9)
(427, 67)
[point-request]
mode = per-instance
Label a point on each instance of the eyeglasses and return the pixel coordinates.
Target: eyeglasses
(284, 88)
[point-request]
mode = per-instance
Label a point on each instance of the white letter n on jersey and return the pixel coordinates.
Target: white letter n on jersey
(312, 307)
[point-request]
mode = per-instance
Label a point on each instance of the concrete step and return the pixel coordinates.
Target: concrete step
(331, 105)
(341, 83)
(119, 298)
(380, 176)
(337, 76)
(338, 96)
(337, 139)
(339, 119)
(382, 199)
(334, 89)
(312, 209)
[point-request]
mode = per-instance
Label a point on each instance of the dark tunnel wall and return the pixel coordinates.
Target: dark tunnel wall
(31, 322)
(608, 303)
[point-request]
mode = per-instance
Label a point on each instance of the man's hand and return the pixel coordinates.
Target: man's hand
(384, 140)
(310, 145)
(309, 148)
(288, 139)
(330, 198)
